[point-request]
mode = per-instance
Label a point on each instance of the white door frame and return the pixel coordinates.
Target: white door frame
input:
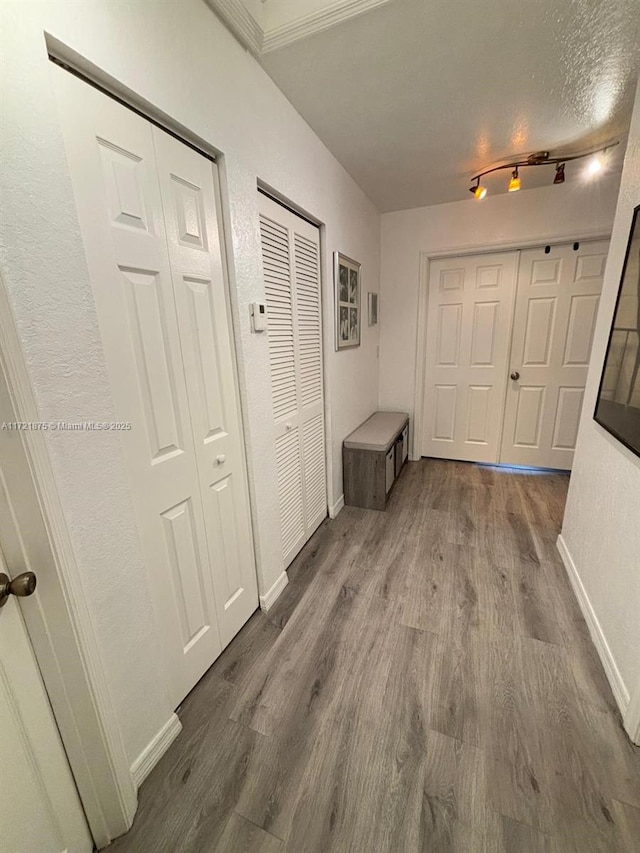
(72, 668)
(423, 304)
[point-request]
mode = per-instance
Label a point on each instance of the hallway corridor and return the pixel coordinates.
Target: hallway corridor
(425, 683)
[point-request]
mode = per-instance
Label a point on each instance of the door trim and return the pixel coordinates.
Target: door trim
(429, 255)
(81, 702)
(76, 64)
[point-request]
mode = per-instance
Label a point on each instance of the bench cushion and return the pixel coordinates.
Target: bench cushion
(378, 432)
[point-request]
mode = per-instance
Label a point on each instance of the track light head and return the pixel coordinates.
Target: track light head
(559, 176)
(478, 191)
(595, 165)
(514, 183)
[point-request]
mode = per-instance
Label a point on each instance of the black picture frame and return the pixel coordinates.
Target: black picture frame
(614, 410)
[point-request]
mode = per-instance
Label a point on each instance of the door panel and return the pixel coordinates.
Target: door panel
(204, 323)
(539, 332)
(291, 265)
(528, 416)
(479, 401)
(483, 336)
(149, 224)
(565, 431)
(582, 324)
(468, 337)
(554, 322)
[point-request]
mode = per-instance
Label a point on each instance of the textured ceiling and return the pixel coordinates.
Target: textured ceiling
(416, 96)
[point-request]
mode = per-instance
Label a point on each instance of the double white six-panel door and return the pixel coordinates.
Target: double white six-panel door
(528, 314)
(148, 214)
(291, 264)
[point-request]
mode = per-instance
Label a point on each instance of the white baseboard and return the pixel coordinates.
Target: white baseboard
(632, 718)
(272, 595)
(620, 692)
(153, 752)
(337, 506)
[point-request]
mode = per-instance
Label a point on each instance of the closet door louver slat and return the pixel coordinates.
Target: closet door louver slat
(308, 319)
(314, 472)
(290, 492)
(277, 282)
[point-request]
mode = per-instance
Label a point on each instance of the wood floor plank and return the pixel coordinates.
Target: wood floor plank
(426, 682)
(426, 597)
(517, 792)
(516, 836)
(627, 820)
(247, 651)
(537, 618)
(497, 612)
(455, 689)
(242, 836)
(308, 665)
(507, 723)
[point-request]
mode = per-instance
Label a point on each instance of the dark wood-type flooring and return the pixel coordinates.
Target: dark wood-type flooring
(425, 683)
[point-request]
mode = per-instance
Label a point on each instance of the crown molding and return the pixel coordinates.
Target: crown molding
(259, 41)
(241, 23)
(323, 19)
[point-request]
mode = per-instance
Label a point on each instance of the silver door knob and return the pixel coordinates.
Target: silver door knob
(24, 584)
(289, 426)
(515, 376)
(220, 458)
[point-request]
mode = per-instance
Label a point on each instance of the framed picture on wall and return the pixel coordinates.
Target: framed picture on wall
(618, 404)
(347, 291)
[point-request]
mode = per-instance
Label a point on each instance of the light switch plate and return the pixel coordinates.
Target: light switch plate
(259, 316)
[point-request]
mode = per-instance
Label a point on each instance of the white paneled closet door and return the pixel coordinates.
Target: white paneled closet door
(291, 263)
(555, 317)
(147, 211)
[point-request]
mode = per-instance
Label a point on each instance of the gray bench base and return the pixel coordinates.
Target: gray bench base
(364, 460)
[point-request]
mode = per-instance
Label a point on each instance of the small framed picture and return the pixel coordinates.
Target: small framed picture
(347, 291)
(373, 309)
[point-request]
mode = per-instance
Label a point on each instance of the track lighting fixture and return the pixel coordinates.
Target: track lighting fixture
(543, 158)
(478, 191)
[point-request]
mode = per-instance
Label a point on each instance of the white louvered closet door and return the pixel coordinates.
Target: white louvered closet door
(291, 262)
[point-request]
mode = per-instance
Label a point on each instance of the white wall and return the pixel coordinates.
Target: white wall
(545, 213)
(180, 58)
(601, 530)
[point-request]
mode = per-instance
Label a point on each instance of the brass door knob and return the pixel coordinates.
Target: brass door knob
(515, 376)
(23, 585)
